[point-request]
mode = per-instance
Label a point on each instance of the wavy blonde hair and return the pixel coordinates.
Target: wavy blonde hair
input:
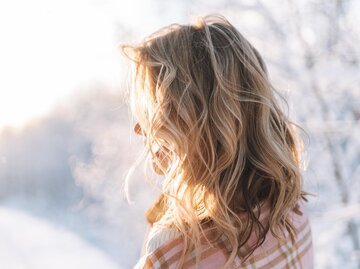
(202, 96)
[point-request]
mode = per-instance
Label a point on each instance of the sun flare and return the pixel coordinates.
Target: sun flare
(48, 52)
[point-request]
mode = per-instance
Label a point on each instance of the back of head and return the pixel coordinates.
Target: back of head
(204, 100)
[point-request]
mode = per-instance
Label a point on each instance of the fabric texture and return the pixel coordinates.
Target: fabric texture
(164, 247)
(158, 236)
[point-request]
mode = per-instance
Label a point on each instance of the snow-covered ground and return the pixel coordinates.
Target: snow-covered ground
(29, 242)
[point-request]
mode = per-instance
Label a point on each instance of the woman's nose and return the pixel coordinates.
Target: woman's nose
(137, 129)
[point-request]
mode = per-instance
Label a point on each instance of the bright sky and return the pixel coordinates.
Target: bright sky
(51, 48)
(48, 50)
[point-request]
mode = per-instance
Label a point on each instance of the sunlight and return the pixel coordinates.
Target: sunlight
(50, 49)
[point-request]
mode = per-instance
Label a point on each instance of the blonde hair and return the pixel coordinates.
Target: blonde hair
(203, 98)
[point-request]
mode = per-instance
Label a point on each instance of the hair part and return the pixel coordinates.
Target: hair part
(202, 95)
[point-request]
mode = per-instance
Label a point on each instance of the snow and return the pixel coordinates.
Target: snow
(29, 242)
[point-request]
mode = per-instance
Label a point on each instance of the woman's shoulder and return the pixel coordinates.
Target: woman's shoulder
(159, 245)
(164, 247)
(158, 236)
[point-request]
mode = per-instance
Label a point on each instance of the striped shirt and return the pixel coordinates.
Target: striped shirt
(164, 247)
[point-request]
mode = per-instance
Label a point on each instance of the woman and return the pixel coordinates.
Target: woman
(232, 190)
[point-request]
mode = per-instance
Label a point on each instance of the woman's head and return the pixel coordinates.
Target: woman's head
(212, 124)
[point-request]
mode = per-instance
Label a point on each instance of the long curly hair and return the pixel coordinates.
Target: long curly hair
(215, 129)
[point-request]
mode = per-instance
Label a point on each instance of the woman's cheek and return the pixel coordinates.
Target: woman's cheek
(160, 157)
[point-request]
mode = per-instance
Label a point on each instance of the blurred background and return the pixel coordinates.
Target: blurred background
(66, 138)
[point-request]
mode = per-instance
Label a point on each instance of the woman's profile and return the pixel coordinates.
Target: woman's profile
(232, 193)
